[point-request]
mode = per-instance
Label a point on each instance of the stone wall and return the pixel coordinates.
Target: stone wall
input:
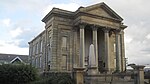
(108, 79)
(37, 51)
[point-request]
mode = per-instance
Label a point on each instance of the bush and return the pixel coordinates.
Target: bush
(17, 74)
(55, 78)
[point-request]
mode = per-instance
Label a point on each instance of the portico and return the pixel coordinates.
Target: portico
(101, 38)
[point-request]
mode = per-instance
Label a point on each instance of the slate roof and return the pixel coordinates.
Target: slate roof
(9, 57)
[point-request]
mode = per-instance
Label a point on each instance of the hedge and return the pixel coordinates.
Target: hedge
(17, 74)
(55, 78)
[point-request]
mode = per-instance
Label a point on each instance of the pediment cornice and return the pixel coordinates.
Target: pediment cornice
(100, 10)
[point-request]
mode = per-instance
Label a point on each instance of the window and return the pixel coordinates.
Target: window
(49, 55)
(64, 43)
(64, 62)
(49, 50)
(49, 67)
(33, 50)
(30, 51)
(49, 33)
(50, 42)
(50, 38)
(40, 61)
(35, 62)
(41, 45)
(37, 48)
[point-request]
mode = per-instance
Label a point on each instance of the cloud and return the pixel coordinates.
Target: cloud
(16, 32)
(128, 39)
(10, 48)
(138, 48)
(6, 22)
(28, 35)
(29, 5)
(68, 6)
(20, 22)
(148, 36)
(23, 35)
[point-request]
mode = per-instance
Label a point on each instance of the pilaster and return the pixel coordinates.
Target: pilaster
(46, 51)
(75, 49)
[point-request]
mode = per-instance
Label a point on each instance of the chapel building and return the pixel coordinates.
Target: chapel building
(65, 42)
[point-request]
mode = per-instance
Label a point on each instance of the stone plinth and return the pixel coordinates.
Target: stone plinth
(79, 75)
(139, 73)
(92, 71)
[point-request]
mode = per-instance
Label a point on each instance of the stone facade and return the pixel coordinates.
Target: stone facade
(64, 44)
(37, 51)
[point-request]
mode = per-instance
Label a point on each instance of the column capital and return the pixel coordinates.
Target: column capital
(106, 29)
(138, 67)
(82, 25)
(94, 27)
(122, 31)
(117, 31)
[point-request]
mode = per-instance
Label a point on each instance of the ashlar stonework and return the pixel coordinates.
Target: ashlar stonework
(64, 44)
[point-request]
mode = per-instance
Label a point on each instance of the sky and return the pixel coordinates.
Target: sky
(20, 22)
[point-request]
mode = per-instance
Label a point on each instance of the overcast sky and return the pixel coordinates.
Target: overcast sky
(20, 21)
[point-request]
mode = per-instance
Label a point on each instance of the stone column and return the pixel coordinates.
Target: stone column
(106, 41)
(95, 44)
(118, 60)
(82, 46)
(123, 64)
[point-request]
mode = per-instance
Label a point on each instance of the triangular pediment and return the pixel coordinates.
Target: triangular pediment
(99, 12)
(101, 9)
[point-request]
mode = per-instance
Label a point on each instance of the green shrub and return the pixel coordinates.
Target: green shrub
(55, 78)
(17, 74)
(41, 81)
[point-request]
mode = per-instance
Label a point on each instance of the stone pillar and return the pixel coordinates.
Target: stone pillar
(139, 74)
(75, 48)
(82, 46)
(95, 44)
(118, 60)
(46, 51)
(123, 64)
(106, 41)
(78, 75)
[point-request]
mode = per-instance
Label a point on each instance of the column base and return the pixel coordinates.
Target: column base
(78, 75)
(92, 71)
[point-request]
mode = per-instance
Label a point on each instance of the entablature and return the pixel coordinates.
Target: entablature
(97, 21)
